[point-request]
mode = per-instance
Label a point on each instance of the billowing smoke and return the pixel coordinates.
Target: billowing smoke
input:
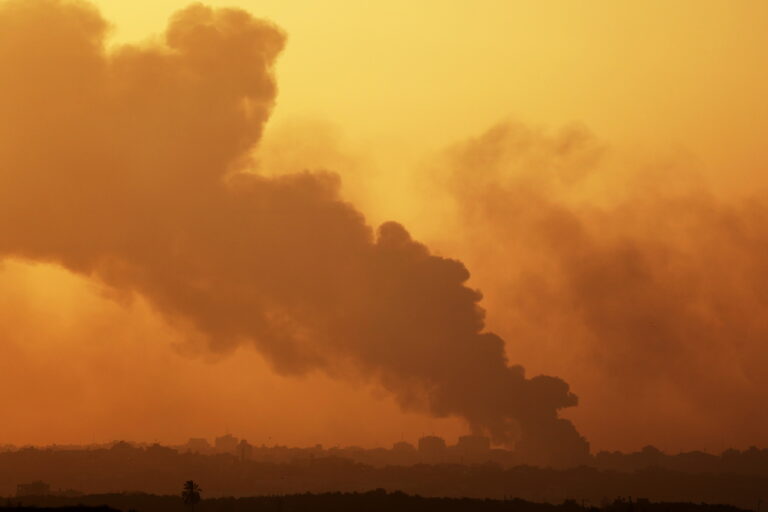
(132, 166)
(649, 282)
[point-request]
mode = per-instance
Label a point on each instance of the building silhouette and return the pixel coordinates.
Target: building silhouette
(226, 444)
(197, 445)
(37, 488)
(432, 449)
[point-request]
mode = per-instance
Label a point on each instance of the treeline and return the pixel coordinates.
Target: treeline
(159, 471)
(19, 507)
(752, 461)
(373, 501)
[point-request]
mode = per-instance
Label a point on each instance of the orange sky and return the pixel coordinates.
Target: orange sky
(377, 94)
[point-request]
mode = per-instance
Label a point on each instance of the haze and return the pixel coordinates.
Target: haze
(598, 169)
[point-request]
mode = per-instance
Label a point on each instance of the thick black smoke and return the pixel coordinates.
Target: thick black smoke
(650, 282)
(132, 167)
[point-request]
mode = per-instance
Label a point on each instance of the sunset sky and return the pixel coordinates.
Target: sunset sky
(599, 167)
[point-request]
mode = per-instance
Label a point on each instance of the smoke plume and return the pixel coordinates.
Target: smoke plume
(648, 282)
(131, 166)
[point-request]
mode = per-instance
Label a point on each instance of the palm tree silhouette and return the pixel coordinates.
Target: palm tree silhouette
(191, 494)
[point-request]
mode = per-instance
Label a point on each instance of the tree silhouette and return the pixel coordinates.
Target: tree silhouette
(191, 494)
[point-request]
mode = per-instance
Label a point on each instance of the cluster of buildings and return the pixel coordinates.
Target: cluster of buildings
(470, 449)
(40, 488)
(222, 444)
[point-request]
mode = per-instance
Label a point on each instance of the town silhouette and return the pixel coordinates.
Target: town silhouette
(145, 476)
(181, 251)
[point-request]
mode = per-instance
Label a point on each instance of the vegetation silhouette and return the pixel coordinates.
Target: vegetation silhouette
(191, 494)
(19, 507)
(377, 500)
(735, 478)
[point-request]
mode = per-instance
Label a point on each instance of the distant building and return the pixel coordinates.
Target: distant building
(122, 447)
(244, 450)
(226, 444)
(197, 445)
(403, 447)
(431, 444)
(38, 488)
(157, 450)
(432, 448)
(474, 444)
(473, 449)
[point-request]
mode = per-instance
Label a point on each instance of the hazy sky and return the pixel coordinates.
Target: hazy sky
(395, 96)
(405, 78)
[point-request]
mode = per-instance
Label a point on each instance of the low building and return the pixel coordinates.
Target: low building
(244, 450)
(474, 444)
(226, 444)
(37, 488)
(432, 449)
(403, 447)
(197, 445)
(473, 449)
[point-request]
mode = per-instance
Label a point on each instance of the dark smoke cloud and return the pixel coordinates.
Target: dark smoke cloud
(132, 167)
(653, 286)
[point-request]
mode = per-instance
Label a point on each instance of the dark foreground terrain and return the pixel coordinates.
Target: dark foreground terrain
(735, 478)
(740, 480)
(372, 501)
(74, 508)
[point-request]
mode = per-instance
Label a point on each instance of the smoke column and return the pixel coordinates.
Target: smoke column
(647, 280)
(132, 167)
